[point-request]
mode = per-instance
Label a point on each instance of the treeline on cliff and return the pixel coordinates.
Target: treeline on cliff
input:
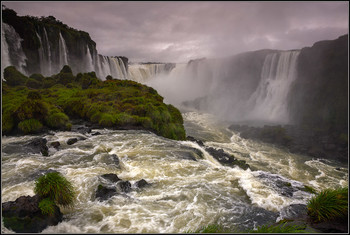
(35, 103)
(28, 26)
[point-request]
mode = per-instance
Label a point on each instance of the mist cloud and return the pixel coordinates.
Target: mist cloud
(180, 31)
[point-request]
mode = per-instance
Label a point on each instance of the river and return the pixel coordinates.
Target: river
(183, 194)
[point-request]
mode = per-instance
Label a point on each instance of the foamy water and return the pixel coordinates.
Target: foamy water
(184, 194)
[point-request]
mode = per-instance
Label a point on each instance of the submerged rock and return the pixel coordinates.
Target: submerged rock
(111, 177)
(55, 144)
(199, 142)
(124, 186)
(72, 141)
(226, 159)
(141, 183)
(103, 193)
(38, 145)
(24, 215)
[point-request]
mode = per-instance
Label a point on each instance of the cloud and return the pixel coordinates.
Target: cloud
(179, 31)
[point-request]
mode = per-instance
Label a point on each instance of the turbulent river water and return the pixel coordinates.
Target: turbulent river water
(184, 194)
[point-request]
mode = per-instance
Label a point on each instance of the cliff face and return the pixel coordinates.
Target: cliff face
(319, 96)
(44, 45)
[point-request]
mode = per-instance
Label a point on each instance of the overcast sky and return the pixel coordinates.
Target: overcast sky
(180, 31)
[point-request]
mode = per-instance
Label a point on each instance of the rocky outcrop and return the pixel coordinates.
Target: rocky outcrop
(72, 141)
(38, 145)
(297, 139)
(318, 99)
(24, 215)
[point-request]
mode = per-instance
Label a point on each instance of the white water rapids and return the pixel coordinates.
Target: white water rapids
(184, 194)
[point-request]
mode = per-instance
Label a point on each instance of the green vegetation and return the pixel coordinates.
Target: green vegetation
(328, 205)
(279, 228)
(120, 104)
(55, 188)
(47, 206)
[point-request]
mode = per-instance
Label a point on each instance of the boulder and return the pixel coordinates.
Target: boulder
(141, 183)
(24, 215)
(111, 177)
(96, 133)
(103, 193)
(124, 186)
(38, 145)
(55, 144)
(199, 142)
(72, 141)
(226, 159)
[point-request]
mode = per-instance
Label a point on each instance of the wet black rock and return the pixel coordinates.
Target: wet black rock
(72, 141)
(103, 193)
(38, 145)
(111, 177)
(84, 130)
(24, 215)
(199, 142)
(124, 186)
(96, 133)
(226, 159)
(55, 144)
(141, 183)
(115, 159)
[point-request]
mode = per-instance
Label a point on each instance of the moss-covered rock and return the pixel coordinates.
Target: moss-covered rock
(13, 77)
(119, 104)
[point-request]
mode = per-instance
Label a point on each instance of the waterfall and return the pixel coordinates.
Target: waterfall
(269, 101)
(5, 58)
(123, 69)
(89, 62)
(12, 51)
(63, 53)
(46, 45)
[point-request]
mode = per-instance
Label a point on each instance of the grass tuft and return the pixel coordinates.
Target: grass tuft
(55, 187)
(329, 204)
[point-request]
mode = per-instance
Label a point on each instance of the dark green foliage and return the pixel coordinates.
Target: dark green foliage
(30, 126)
(66, 69)
(120, 104)
(31, 109)
(109, 77)
(33, 95)
(32, 83)
(56, 188)
(13, 77)
(279, 228)
(328, 205)
(37, 76)
(309, 189)
(58, 120)
(47, 206)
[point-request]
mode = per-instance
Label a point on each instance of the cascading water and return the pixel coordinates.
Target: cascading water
(183, 194)
(269, 101)
(12, 52)
(89, 62)
(5, 58)
(48, 53)
(63, 53)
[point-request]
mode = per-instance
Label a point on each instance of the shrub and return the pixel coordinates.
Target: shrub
(66, 69)
(33, 95)
(31, 109)
(47, 206)
(328, 205)
(106, 120)
(32, 83)
(37, 76)
(56, 188)
(30, 126)
(58, 120)
(7, 123)
(13, 77)
(109, 77)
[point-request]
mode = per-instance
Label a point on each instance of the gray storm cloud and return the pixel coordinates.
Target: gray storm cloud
(180, 31)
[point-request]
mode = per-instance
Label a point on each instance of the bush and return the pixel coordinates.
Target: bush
(56, 188)
(66, 69)
(37, 77)
(7, 123)
(33, 95)
(32, 83)
(31, 109)
(328, 205)
(47, 206)
(13, 77)
(58, 121)
(30, 126)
